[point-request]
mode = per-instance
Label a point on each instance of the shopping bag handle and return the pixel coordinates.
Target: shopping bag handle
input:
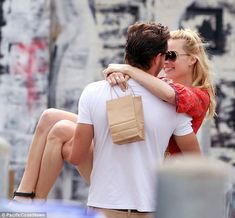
(129, 89)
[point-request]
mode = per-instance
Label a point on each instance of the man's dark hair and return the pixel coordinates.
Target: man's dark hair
(144, 42)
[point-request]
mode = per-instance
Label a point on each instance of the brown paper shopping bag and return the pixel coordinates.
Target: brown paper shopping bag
(126, 119)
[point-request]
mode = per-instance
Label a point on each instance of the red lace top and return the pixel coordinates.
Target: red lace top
(192, 101)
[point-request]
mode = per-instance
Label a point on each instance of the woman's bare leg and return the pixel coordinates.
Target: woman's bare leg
(57, 149)
(36, 151)
(52, 160)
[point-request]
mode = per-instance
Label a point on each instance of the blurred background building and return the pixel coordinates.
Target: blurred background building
(51, 49)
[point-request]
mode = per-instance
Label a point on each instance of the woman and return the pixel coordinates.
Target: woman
(188, 65)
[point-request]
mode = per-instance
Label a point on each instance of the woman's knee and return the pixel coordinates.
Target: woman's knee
(62, 130)
(49, 115)
(48, 119)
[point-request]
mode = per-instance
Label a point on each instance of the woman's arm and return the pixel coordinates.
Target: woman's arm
(155, 85)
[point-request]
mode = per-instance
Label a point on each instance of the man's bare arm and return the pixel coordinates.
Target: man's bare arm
(188, 143)
(82, 144)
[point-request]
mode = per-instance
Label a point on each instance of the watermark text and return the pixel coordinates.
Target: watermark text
(23, 215)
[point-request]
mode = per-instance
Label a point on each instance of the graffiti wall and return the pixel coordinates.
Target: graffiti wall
(51, 49)
(24, 71)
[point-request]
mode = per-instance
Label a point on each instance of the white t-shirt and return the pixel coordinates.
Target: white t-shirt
(124, 176)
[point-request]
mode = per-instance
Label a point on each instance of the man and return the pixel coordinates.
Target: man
(123, 176)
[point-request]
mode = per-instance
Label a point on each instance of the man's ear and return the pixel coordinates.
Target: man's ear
(158, 59)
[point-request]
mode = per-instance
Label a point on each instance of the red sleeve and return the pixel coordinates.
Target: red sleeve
(191, 100)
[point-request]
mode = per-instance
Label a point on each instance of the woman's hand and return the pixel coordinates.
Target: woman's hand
(115, 74)
(117, 78)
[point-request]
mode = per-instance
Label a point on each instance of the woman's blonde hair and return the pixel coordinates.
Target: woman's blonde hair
(202, 76)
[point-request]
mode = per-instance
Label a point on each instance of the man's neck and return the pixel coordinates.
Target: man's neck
(153, 71)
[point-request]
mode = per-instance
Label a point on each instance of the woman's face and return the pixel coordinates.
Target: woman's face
(180, 69)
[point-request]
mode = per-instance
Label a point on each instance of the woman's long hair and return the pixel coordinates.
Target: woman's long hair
(202, 76)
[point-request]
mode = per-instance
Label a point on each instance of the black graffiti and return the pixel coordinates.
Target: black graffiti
(224, 135)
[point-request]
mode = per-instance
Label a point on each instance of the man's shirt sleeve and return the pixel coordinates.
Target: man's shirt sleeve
(84, 106)
(184, 125)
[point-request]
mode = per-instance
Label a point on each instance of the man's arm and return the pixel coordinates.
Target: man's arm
(82, 144)
(188, 143)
